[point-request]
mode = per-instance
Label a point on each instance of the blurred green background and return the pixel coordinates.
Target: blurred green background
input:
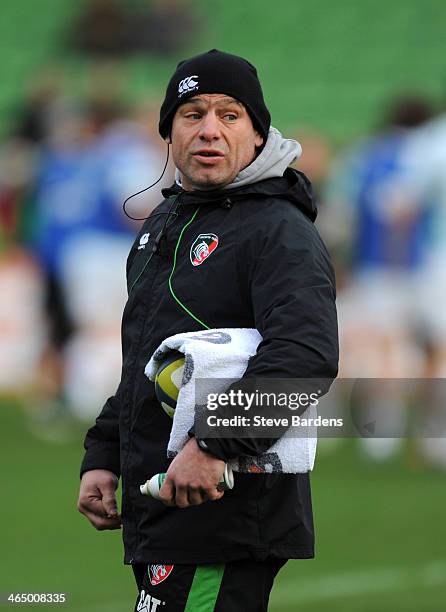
(328, 64)
(381, 537)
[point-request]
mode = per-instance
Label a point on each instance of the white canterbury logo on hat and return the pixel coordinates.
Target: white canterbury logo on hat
(188, 84)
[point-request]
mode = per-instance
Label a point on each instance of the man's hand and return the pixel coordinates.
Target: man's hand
(192, 478)
(97, 499)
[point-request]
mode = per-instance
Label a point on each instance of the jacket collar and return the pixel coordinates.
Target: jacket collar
(293, 186)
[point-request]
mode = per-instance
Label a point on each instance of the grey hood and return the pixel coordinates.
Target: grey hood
(277, 154)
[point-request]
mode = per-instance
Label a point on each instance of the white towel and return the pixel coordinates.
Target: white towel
(218, 355)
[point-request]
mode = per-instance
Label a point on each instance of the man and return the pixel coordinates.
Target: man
(204, 549)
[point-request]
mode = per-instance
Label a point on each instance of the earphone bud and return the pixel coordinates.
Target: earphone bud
(168, 140)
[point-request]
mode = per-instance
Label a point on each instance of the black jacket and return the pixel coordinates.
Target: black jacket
(270, 270)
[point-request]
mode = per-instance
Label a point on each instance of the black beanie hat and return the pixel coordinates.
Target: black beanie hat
(215, 72)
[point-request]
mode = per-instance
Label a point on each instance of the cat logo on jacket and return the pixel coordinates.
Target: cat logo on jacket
(203, 246)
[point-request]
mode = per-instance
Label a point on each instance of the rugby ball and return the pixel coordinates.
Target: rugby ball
(168, 381)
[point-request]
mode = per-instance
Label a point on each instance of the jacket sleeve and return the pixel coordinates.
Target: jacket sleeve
(289, 279)
(102, 440)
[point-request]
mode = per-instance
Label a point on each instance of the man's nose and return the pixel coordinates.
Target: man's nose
(209, 127)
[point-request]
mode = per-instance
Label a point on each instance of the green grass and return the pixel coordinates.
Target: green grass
(380, 533)
(51, 547)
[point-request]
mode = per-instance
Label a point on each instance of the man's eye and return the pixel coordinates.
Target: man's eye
(230, 116)
(193, 116)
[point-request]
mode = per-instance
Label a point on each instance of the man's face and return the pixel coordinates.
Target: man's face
(213, 138)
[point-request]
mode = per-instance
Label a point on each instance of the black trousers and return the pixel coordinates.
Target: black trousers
(236, 586)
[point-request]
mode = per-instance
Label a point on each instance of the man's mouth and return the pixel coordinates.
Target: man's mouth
(208, 155)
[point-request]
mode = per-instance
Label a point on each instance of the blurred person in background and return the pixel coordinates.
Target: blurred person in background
(425, 167)
(22, 317)
(166, 27)
(102, 29)
(110, 28)
(317, 154)
(381, 237)
(93, 157)
(29, 115)
(23, 310)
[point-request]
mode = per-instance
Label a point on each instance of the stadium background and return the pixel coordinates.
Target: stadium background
(331, 66)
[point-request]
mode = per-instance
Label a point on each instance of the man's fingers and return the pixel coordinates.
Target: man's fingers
(107, 524)
(95, 512)
(191, 494)
(93, 506)
(167, 493)
(100, 523)
(97, 499)
(196, 496)
(215, 494)
(109, 503)
(181, 496)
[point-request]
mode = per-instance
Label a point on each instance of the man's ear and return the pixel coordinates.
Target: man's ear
(258, 140)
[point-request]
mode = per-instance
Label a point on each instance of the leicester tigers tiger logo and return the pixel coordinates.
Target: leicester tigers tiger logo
(203, 246)
(158, 573)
